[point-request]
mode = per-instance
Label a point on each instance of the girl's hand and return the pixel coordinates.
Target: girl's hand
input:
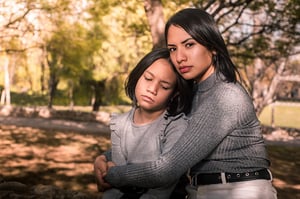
(100, 170)
(110, 164)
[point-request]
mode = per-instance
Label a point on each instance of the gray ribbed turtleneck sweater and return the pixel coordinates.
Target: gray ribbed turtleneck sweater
(223, 135)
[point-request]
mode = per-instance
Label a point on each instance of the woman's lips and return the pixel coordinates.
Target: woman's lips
(184, 69)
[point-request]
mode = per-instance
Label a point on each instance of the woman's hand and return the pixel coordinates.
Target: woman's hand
(100, 169)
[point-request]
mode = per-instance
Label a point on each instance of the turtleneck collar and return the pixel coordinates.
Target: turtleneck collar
(207, 84)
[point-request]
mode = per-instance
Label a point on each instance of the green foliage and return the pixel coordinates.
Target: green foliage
(115, 92)
(103, 40)
(26, 99)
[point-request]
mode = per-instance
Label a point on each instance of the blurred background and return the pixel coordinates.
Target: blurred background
(76, 54)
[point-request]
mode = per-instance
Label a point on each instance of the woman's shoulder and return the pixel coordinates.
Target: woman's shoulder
(230, 90)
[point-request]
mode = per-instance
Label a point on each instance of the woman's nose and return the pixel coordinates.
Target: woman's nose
(180, 56)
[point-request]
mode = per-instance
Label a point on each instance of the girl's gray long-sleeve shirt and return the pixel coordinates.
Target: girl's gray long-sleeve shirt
(132, 143)
(223, 135)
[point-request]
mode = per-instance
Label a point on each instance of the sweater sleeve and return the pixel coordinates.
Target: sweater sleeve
(118, 156)
(107, 155)
(214, 117)
(172, 130)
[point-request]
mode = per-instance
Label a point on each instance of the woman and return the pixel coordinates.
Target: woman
(222, 145)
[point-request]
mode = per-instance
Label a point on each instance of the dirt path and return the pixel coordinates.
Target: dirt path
(276, 137)
(56, 124)
(44, 153)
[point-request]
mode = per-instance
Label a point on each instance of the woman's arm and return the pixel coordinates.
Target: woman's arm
(213, 120)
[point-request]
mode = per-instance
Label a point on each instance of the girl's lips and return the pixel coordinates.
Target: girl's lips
(184, 69)
(147, 99)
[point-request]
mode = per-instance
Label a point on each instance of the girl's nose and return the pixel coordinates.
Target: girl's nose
(152, 88)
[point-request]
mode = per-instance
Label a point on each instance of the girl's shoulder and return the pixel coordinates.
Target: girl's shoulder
(171, 118)
(119, 119)
(175, 120)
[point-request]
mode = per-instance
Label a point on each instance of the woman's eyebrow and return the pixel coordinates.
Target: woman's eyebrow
(186, 40)
(183, 42)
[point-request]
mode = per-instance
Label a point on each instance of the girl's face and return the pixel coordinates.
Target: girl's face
(191, 59)
(155, 87)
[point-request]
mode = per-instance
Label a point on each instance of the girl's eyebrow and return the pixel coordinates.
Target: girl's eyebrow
(146, 71)
(166, 82)
(162, 81)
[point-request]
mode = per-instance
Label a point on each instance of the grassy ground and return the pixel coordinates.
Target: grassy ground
(285, 166)
(283, 114)
(34, 156)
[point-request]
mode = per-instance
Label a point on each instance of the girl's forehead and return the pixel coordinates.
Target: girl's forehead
(162, 69)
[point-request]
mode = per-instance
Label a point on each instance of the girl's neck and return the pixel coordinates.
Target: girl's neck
(142, 116)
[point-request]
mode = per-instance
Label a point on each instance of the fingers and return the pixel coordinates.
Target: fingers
(100, 170)
(110, 164)
(101, 163)
(102, 185)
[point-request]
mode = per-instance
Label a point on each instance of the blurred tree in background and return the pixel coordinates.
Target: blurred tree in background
(80, 52)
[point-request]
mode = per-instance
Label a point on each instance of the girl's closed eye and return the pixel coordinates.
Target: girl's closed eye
(165, 87)
(147, 77)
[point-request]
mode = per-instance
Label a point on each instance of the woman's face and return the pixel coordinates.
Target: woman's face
(191, 59)
(156, 85)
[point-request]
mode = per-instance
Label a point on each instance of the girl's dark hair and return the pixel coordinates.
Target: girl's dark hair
(182, 96)
(202, 27)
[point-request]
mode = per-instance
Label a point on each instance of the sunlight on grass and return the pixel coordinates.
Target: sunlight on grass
(284, 115)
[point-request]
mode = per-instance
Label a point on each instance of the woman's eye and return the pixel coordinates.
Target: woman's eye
(172, 49)
(188, 45)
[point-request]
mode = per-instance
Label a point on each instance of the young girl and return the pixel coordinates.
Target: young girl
(154, 124)
(223, 145)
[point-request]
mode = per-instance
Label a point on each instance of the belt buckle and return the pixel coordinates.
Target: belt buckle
(223, 178)
(193, 180)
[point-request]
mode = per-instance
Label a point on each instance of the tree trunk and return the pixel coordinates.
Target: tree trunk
(98, 90)
(53, 82)
(155, 16)
(268, 95)
(44, 65)
(5, 96)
